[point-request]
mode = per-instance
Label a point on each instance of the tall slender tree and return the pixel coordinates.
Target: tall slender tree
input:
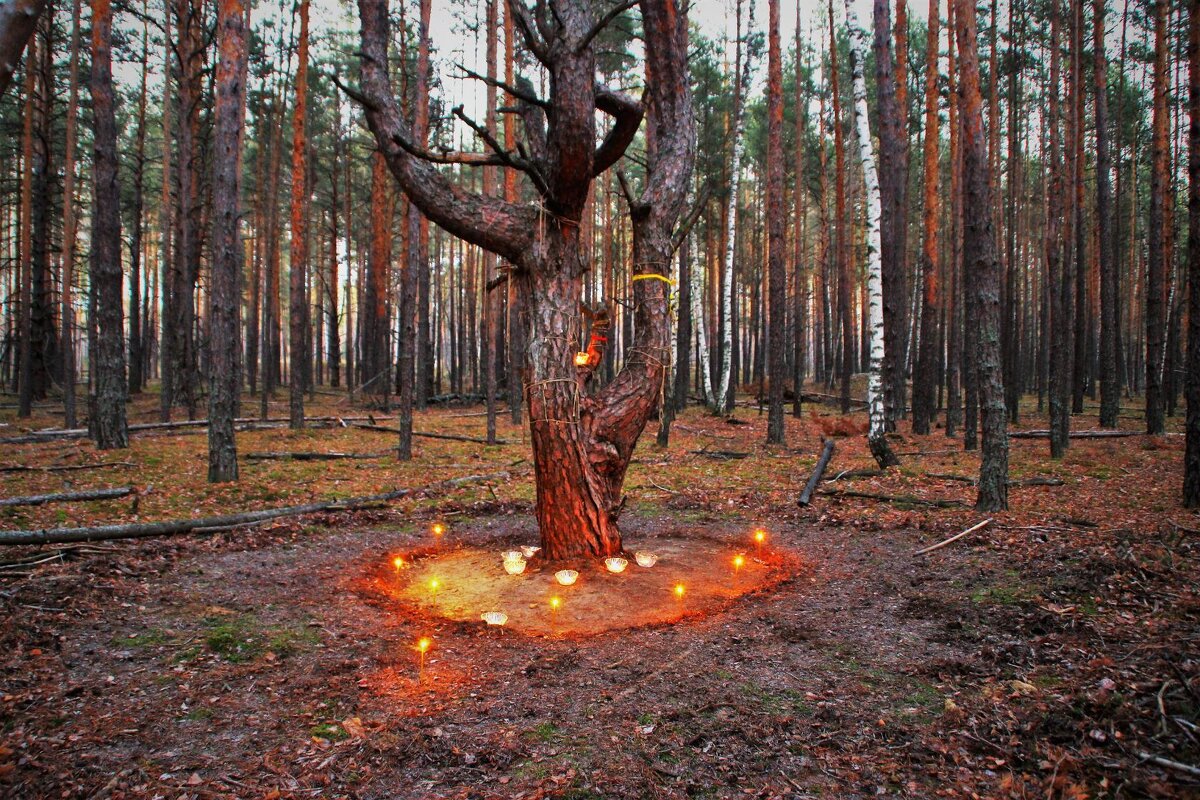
(227, 246)
(70, 228)
(776, 255)
(981, 263)
(1191, 479)
(298, 259)
(928, 356)
(108, 401)
(1156, 260)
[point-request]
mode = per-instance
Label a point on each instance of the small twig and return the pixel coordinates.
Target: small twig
(953, 538)
(1169, 764)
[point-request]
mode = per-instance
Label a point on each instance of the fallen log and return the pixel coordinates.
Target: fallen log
(276, 456)
(721, 455)
(1044, 434)
(65, 467)
(954, 538)
(1036, 481)
(453, 437)
(66, 497)
(854, 474)
(140, 530)
(887, 498)
(34, 437)
(817, 473)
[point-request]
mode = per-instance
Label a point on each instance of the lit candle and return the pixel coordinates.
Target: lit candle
(678, 592)
(739, 561)
(760, 536)
(555, 602)
(434, 583)
(582, 358)
(566, 577)
(423, 645)
(398, 563)
(438, 529)
(494, 617)
(615, 564)
(514, 566)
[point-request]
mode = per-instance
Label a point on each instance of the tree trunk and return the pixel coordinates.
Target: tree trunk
(166, 224)
(136, 380)
(1156, 262)
(1191, 459)
(227, 245)
(70, 229)
(108, 404)
(298, 253)
(24, 319)
(1059, 378)
(777, 257)
(925, 382)
(893, 185)
(581, 444)
(983, 266)
(877, 435)
(841, 255)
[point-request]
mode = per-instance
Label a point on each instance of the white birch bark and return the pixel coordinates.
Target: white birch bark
(701, 330)
(731, 216)
(858, 47)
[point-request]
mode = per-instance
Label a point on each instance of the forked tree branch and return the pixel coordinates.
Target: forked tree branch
(501, 227)
(604, 22)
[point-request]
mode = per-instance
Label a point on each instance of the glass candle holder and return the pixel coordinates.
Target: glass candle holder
(645, 559)
(566, 577)
(615, 564)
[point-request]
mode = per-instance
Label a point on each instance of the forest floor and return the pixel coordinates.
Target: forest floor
(1054, 653)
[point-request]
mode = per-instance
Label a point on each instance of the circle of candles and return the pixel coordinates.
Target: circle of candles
(566, 577)
(645, 559)
(615, 564)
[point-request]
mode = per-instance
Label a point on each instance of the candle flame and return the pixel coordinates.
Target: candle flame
(739, 561)
(582, 358)
(555, 602)
(760, 536)
(398, 562)
(438, 529)
(434, 583)
(424, 643)
(679, 590)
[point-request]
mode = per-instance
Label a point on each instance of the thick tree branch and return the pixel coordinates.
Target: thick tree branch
(523, 92)
(692, 217)
(533, 40)
(627, 114)
(491, 223)
(605, 21)
(18, 18)
(506, 158)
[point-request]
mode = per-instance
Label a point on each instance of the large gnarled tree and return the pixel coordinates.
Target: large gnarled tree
(581, 443)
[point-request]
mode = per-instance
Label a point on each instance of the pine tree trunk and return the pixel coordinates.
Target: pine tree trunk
(298, 254)
(841, 254)
(980, 262)
(776, 255)
(227, 245)
(136, 380)
(925, 381)
(1058, 376)
(1157, 235)
(24, 320)
(108, 404)
(70, 228)
(1191, 459)
(877, 435)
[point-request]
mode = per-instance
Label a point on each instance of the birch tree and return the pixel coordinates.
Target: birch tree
(876, 435)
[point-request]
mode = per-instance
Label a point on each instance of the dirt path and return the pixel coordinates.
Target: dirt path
(259, 664)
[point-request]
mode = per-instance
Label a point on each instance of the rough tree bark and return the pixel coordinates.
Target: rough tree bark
(981, 263)
(877, 435)
(928, 355)
(1191, 479)
(70, 228)
(1110, 374)
(581, 443)
(227, 245)
(1156, 262)
(18, 18)
(298, 253)
(776, 202)
(108, 403)
(893, 192)
(841, 254)
(1058, 379)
